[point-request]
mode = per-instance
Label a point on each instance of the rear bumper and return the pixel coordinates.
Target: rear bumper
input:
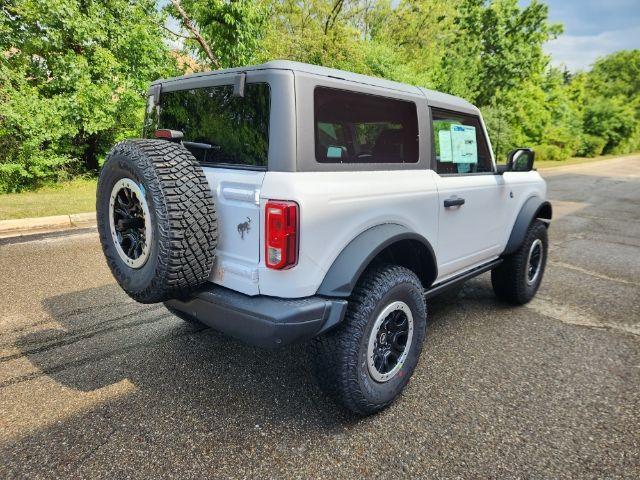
(261, 320)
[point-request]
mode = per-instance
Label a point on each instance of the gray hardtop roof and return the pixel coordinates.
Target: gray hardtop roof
(442, 99)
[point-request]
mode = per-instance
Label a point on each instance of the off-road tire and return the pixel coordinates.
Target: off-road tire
(183, 219)
(339, 356)
(509, 279)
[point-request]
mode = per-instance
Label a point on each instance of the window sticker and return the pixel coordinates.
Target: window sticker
(464, 167)
(463, 144)
(444, 139)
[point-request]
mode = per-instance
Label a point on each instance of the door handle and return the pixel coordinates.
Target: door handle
(453, 202)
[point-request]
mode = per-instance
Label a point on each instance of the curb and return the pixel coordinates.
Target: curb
(28, 226)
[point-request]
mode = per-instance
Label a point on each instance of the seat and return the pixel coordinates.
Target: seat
(388, 147)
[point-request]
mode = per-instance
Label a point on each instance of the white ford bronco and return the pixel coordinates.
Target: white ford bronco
(287, 202)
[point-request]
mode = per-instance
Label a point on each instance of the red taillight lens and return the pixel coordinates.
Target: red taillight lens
(281, 232)
(169, 134)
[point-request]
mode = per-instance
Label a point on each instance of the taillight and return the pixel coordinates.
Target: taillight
(169, 134)
(281, 232)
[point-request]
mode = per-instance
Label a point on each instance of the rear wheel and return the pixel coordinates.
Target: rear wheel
(517, 279)
(369, 358)
(156, 219)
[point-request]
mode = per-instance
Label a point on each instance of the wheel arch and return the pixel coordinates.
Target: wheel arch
(389, 242)
(533, 208)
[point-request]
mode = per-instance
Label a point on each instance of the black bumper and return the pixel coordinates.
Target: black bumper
(261, 320)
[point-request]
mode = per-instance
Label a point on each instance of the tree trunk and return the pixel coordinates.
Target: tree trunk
(189, 25)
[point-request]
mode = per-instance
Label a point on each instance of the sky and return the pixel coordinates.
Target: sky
(592, 29)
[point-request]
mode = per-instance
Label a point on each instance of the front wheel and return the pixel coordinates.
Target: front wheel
(518, 278)
(369, 358)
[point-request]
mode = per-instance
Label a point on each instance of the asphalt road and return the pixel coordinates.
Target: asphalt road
(93, 385)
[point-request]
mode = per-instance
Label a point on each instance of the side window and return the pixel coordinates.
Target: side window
(459, 143)
(359, 128)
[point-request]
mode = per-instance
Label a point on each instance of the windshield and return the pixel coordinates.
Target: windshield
(219, 128)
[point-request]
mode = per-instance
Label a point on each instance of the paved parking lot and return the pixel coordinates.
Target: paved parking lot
(94, 385)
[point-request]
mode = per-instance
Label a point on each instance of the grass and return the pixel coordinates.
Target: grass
(577, 160)
(75, 196)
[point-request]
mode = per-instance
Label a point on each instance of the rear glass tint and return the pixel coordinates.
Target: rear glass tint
(359, 128)
(218, 128)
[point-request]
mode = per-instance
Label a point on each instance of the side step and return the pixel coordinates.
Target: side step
(463, 277)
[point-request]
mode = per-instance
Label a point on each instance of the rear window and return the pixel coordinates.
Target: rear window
(218, 128)
(359, 128)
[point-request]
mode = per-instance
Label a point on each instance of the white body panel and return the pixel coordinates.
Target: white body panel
(236, 194)
(335, 207)
(478, 231)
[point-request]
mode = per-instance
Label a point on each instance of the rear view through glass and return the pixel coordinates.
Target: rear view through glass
(220, 129)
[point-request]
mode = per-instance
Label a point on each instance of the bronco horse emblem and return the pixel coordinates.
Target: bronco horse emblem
(244, 227)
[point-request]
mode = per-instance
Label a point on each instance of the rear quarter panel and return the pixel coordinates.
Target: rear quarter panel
(335, 207)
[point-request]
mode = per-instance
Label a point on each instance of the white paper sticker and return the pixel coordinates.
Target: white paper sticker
(444, 139)
(463, 144)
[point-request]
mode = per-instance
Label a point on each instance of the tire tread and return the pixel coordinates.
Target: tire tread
(185, 212)
(335, 354)
(508, 278)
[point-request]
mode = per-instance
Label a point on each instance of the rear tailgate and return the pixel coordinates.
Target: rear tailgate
(228, 135)
(237, 198)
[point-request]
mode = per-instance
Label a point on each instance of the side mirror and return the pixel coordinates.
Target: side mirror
(520, 160)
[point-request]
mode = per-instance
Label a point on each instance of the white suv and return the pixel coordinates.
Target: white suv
(286, 202)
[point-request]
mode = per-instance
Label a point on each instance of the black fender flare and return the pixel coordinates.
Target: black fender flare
(346, 269)
(533, 208)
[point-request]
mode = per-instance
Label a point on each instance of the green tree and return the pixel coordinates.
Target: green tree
(612, 101)
(512, 39)
(73, 73)
(321, 32)
(221, 33)
(73, 76)
(494, 58)
(611, 119)
(617, 74)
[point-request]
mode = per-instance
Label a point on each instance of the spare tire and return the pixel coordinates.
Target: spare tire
(156, 219)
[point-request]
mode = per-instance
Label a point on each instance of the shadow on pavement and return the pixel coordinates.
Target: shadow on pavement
(104, 337)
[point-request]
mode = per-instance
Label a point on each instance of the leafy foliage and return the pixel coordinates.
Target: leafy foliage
(233, 29)
(73, 73)
(72, 81)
